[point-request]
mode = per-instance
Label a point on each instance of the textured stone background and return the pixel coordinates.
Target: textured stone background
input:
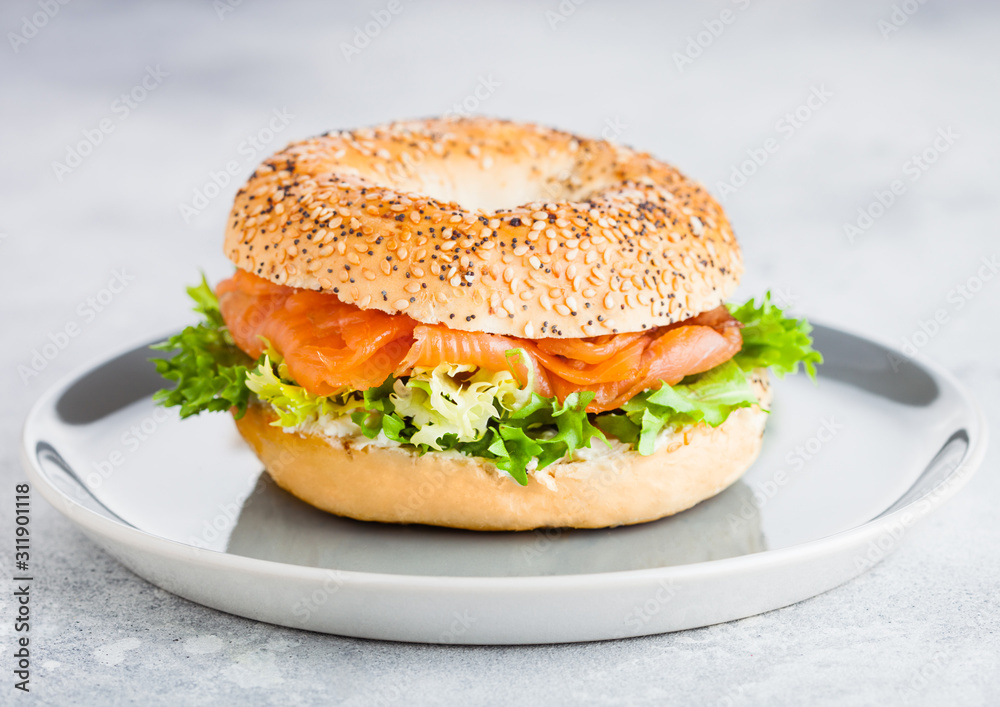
(921, 628)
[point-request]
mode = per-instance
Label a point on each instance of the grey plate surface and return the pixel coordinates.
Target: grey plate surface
(848, 466)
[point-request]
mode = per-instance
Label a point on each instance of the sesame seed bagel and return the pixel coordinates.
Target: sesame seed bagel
(348, 476)
(489, 226)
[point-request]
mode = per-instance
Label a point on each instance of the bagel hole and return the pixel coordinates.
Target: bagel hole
(504, 186)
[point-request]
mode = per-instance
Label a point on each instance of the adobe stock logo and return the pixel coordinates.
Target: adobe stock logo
(787, 126)
(955, 301)
(485, 87)
(913, 169)
(86, 312)
(213, 184)
(363, 36)
(224, 7)
(711, 31)
(31, 26)
(563, 12)
(121, 108)
(901, 14)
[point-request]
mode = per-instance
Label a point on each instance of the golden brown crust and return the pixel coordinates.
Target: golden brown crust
(392, 485)
(487, 225)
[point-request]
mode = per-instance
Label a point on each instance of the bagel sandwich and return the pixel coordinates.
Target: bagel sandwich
(484, 324)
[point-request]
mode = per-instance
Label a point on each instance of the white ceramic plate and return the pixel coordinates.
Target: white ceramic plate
(848, 466)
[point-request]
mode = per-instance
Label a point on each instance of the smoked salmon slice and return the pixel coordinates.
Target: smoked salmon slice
(434, 344)
(593, 350)
(679, 352)
(619, 366)
(329, 345)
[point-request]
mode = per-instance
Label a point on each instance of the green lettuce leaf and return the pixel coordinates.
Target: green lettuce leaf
(270, 381)
(708, 397)
(528, 433)
(377, 411)
(209, 370)
(770, 339)
(512, 450)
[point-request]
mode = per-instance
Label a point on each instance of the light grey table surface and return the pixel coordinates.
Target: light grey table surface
(887, 79)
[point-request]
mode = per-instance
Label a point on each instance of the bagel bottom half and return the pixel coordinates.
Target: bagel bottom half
(616, 486)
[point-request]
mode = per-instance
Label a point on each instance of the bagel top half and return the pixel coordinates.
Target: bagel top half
(487, 225)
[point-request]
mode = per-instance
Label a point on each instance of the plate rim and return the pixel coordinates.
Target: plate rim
(147, 542)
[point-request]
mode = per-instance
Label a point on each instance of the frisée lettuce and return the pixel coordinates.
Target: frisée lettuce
(210, 371)
(455, 400)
